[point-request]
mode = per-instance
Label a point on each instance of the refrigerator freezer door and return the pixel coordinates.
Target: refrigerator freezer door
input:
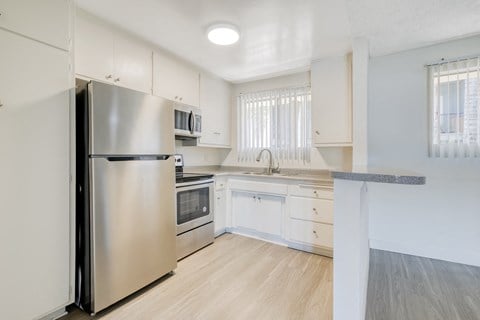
(133, 228)
(127, 122)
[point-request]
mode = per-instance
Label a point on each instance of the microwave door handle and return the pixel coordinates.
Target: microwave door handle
(192, 122)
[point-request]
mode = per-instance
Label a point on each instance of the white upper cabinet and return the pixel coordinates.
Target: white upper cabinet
(93, 49)
(107, 55)
(174, 80)
(215, 101)
(48, 21)
(331, 102)
(133, 64)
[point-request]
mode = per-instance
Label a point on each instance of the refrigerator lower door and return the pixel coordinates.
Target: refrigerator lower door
(133, 225)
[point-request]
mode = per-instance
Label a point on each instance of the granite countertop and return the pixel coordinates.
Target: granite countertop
(381, 175)
(317, 176)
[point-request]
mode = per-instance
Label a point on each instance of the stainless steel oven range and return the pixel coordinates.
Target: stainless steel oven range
(194, 202)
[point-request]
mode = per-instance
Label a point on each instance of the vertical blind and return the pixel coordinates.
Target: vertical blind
(279, 120)
(455, 109)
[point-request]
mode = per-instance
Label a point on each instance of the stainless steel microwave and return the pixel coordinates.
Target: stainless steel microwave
(188, 121)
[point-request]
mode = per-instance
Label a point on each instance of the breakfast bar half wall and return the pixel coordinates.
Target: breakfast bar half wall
(351, 237)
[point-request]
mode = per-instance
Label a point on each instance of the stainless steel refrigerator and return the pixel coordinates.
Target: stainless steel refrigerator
(125, 197)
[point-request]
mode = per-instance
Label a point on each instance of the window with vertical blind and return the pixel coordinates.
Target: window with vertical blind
(279, 120)
(454, 89)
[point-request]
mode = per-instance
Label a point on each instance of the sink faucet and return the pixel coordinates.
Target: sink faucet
(270, 169)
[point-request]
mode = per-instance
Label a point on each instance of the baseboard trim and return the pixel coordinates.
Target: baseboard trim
(259, 236)
(456, 256)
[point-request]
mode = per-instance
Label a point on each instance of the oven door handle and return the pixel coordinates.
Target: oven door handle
(193, 184)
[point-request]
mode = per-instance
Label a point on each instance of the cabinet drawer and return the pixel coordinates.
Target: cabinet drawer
(313, 233)
(318, 210)
(313, 191)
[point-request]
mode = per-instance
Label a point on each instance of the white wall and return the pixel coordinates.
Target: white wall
(441, 219)
(322, 158)
(201, 156)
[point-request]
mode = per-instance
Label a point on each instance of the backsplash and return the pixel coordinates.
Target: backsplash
(201, 156)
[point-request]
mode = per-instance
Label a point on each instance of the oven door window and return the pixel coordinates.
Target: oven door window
(192, 204)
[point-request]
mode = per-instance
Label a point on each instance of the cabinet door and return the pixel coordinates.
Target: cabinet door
(269, 214)
(215, 101)
(174, 80)
(133, 64)
(93, 48)
(331, 101)
(47, 21)
(34, 183)
(220, 211)
(244, 210)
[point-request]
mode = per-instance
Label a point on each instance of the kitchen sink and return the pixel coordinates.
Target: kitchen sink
(286, 174)
(255, 173)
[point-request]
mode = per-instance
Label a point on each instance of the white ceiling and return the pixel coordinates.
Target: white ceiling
(396, 25)
(283, 36)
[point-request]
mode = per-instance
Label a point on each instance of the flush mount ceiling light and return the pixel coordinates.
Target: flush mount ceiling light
(223, 34)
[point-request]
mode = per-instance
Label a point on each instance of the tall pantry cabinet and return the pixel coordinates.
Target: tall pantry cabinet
(36, 81)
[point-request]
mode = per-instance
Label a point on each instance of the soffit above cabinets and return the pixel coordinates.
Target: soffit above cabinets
(283, 36)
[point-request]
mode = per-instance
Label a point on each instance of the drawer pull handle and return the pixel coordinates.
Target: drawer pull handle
(315, 210)
(317, 132)
(315, 186)
(116, 79)
(315, 233)
(108, 76)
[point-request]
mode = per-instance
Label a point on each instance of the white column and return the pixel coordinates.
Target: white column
(360, 59)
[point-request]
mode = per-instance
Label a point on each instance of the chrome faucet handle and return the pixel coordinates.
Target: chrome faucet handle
(277, 169)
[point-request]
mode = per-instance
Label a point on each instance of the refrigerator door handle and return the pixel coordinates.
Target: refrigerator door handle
(137, 158)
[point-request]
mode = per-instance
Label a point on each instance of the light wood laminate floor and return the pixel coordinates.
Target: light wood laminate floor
(235, 278)
(404, 287)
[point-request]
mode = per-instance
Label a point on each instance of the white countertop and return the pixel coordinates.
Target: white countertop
(313, 176)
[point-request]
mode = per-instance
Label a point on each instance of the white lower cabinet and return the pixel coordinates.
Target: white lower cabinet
(310, 220)
(243, 207)
(298, 215)
(316, 210)
(270, 212)
(220, 217)
(311, 233)
(261, 213)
